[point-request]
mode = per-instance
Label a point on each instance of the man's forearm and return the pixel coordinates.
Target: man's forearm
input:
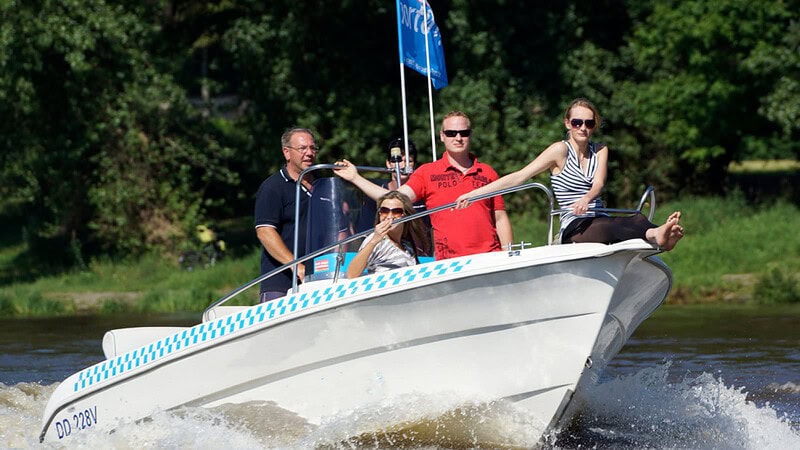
(274, 245)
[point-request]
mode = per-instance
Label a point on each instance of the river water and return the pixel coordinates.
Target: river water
(691, 377)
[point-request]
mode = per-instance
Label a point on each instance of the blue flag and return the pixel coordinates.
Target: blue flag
(411, 37)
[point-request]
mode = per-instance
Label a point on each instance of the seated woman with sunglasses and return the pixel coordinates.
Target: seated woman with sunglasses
(578, 170)
(390, 246)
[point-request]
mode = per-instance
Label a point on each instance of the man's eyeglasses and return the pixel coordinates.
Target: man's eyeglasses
(576, 123)
(394, 211)
(453, 133)
(304, 149)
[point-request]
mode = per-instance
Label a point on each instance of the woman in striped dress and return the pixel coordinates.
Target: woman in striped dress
(578, 169)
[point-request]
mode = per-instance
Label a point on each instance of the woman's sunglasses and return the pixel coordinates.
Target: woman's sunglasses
(394, 211)
(576, 123)
(453, 133)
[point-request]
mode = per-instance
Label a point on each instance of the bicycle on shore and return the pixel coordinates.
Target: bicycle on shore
(210, 249)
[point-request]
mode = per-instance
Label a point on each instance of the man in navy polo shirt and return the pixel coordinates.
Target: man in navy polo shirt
(275, 212)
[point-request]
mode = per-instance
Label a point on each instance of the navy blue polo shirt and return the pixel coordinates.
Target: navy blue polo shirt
(275, 208)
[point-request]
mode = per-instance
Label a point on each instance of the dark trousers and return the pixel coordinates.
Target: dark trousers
(607, 230)
(268, 296)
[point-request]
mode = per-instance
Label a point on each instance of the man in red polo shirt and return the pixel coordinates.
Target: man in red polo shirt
(484, 227)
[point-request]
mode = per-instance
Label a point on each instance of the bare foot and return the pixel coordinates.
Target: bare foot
(675, 215)
(667, 236)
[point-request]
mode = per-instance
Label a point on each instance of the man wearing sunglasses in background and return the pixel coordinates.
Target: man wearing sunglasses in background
(485, 227)
(274, 212)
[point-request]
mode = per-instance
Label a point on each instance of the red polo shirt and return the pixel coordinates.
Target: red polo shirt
(463, 231)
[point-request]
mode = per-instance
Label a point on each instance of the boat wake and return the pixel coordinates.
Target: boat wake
(646, 410)
(432, 423)
(642, 410)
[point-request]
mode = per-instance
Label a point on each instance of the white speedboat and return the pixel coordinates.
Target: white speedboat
(521, 326)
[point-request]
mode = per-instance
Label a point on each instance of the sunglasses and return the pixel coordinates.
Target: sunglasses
(576, 123)
(394, 211)
(453, 133)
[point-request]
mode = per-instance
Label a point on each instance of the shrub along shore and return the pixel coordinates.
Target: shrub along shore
(733, 254)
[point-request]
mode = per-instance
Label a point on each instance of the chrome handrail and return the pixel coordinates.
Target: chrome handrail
(649, 192)
(292, 264)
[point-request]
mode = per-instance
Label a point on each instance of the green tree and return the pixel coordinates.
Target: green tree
(515, 65)
(329, 67)
(99, 148)
(114, 138)
(777, 64)
(690, 92)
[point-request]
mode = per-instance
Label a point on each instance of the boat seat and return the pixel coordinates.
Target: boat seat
(122, 340)
(222, 311)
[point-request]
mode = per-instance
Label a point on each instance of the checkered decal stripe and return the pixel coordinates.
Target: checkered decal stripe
(265, 312)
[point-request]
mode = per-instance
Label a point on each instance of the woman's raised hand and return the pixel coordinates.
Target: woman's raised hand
(383, 227)
(381, 230)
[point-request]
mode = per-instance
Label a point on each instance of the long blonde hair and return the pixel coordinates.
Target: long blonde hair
(413, 230)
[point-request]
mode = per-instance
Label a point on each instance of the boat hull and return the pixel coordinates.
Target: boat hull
(508, 326)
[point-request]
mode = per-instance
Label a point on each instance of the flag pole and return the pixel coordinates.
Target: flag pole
(405, 117)
(430, 83)
(402, 86)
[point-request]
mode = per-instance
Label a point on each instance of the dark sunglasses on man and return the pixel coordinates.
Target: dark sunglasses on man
(453, 133)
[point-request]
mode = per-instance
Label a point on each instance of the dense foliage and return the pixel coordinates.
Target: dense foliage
(126, 123)
(100, 144)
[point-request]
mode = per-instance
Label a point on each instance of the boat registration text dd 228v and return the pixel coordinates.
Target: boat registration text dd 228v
(523, 328)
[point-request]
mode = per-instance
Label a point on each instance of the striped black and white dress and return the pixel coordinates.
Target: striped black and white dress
(571, 184)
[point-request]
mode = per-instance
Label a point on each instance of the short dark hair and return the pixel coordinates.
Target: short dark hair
(398, 142)
(286, 137)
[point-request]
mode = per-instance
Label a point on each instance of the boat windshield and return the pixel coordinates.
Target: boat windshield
(336, 211)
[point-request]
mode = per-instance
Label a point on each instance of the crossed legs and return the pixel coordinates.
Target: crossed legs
(615, 229)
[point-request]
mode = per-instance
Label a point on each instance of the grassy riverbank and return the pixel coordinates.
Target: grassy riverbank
(733, 253)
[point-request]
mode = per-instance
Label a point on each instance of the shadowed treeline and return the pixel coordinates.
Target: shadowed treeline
(125, 124)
